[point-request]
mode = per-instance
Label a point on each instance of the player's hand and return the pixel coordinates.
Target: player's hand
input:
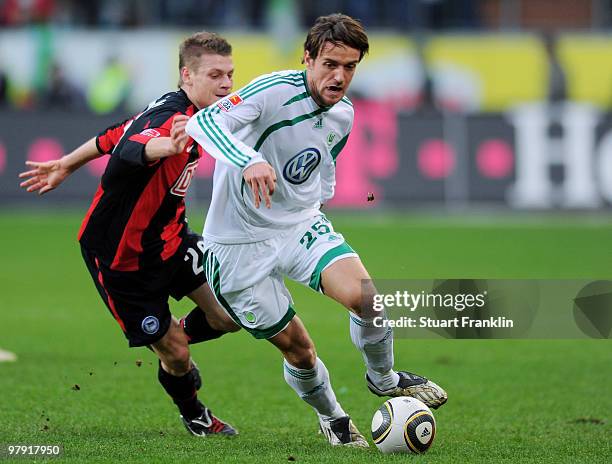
(262, 179)
(44, 176)
(178, 136)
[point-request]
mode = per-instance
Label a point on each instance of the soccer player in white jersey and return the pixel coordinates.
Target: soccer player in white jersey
(278, 140)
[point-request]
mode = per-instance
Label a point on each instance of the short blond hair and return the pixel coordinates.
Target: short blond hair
(198, 44)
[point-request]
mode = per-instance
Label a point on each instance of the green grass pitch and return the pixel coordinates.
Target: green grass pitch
(509, 400)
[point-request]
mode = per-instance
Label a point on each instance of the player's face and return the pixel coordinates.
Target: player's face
(330, 74)
(210, 81)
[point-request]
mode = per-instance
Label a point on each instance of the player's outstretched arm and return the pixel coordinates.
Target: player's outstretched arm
(162, 147)
(46, 176)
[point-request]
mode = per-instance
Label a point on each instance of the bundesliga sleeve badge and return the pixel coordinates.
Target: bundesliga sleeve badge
(228, 103)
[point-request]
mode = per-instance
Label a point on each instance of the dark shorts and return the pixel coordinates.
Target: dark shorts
(139, 300)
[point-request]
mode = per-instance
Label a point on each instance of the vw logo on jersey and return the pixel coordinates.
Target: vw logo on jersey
(298, 169)
(150, 325)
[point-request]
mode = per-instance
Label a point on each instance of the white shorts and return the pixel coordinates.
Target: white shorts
(247, 279)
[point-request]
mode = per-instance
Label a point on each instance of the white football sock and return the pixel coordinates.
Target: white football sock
(314, 387)
(376, 346)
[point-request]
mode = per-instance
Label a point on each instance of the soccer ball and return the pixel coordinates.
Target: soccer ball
(403, 425)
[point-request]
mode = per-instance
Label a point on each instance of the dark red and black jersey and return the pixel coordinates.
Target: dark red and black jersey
(137, 217)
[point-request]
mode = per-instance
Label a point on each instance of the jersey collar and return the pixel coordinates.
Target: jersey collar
(187, 98)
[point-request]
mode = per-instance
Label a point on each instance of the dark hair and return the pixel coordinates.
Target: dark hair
(338, 29)
(200, 43)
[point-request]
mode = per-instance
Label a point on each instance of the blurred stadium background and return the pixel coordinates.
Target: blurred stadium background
(461, 104)
(482, 127)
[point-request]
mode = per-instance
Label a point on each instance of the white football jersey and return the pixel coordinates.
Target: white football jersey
(275, 119)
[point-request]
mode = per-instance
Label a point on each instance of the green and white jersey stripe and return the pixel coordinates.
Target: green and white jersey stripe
(273, 119)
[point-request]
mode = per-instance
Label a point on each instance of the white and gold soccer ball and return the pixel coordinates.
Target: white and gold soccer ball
(403, 425)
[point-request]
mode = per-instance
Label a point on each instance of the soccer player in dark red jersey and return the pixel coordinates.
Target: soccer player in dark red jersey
(134, 238)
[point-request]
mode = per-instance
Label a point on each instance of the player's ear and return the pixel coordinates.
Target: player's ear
(307, 60)
(185, 75)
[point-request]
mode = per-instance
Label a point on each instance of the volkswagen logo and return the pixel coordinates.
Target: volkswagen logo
(298, 169)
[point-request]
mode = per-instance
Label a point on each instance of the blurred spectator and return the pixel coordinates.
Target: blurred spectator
(120, 14)
(557, 82)
(365, 10)
(398, 14)
(282, 24)
(60, 93)
(403, 15)
(426, 103)
(312, 9)
(3, 88)
(440, 14)
(192, 12)
(18, 12)
(110, 90)
(86, 13)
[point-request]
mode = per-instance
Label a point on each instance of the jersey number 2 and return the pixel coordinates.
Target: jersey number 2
(196, 262)
(320, 228)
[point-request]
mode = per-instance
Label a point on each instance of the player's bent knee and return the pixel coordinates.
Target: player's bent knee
(295, 345)
(176, 357)
(353, 300)
(359, 299)
(304, 358)
(179, 365)
(351, 296)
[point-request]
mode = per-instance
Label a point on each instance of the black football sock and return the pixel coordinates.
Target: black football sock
(183, 392)
(197, 328)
